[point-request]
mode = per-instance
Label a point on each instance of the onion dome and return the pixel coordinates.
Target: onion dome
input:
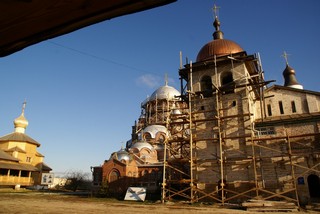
(289, 75)
(120, 155)
(21, 123)
(141, 145)
(218, 46)
(290, 79)
(165, 92)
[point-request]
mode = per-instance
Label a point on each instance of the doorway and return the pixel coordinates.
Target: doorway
(314, 186)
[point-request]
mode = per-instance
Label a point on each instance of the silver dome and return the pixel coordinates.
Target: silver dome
(165, 92)
(142, 144)
(154, 129)
(120, 155)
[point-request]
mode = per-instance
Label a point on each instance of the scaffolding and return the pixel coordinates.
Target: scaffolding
(187, 170)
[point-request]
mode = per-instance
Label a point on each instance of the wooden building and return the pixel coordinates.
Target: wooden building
(21, 165)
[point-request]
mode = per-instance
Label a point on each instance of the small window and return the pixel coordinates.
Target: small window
(28, 159)
(265, 131)
(206, 86)
(147, 136)
(226, 78)
(281, 107)
(227, 83)
(269, 110)
(293, 107)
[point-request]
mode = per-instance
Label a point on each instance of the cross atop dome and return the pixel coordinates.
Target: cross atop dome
(21, 123)
(215, 10)
(217, 34)
(285, 56)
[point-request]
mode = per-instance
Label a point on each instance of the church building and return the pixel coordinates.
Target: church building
(227, 136)
(20, 162)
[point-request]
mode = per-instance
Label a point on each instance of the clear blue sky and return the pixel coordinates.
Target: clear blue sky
(84, 89)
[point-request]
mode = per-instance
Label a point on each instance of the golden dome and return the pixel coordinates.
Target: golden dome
(21, 122)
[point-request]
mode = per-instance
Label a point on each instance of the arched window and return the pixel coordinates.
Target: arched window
(147, 136)
(160, 137)
(114, 175)
(206, 86)
(227, 83)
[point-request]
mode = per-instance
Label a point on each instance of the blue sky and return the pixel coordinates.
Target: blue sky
(84, 89)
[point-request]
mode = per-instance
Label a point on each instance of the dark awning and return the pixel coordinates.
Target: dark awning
(26, 22)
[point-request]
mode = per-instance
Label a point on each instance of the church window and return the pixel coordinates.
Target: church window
(206, 86)
(281, 107)
(293, 107)
(269, 110)
(161, 137)
(114, 175)
(146, 136)
(28, 159)
(265, 131)
(226, 82)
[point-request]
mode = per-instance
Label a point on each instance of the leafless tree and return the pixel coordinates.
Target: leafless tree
(77, 180)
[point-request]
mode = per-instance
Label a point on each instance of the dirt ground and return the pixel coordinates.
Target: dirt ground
(44, 202)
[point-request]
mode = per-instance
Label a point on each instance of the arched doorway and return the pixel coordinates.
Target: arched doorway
(114, 175)
(314, 186)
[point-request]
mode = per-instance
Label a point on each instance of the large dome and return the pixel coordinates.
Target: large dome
(165, 92)
(218, 47)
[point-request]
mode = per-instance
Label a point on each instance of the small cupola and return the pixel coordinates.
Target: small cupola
(289, 75)
(21, 123)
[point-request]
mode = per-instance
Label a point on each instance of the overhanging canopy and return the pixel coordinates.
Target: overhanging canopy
(26, 22)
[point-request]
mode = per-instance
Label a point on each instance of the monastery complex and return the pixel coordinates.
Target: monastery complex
(227, 135)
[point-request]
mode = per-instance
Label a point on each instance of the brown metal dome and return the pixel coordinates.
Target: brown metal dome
(218, 47)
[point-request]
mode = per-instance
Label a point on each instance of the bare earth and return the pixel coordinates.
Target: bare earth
(35, 202)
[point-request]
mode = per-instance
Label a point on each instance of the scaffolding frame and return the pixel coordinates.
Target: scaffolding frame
(180, 176)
